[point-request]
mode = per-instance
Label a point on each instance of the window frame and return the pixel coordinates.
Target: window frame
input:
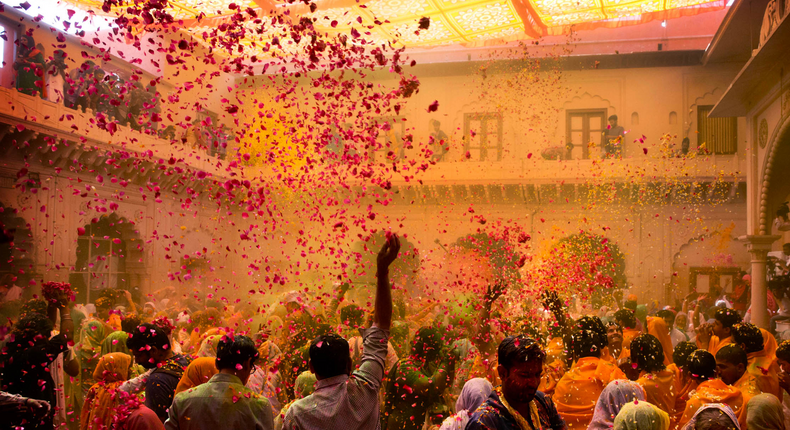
(703, 122)
(586, 114)
(484, 118)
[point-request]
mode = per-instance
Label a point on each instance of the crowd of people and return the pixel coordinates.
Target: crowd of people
(117, 365)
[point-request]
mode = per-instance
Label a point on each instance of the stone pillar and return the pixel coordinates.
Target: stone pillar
(758, 247)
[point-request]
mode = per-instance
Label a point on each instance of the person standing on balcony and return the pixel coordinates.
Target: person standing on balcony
(56, 76)
(439, 140)
(613, 139)
(29, 66)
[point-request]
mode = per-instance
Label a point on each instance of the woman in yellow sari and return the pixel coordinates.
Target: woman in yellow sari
(199, 371)
(102, 399)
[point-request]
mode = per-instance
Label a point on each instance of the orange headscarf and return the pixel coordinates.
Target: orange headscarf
(199, 371)
(100, 403)
(658, 328)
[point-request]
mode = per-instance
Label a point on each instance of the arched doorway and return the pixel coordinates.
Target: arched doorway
(775, 186)
(710, 260)
(109, 256)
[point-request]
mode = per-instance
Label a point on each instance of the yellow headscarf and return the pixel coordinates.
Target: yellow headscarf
(100, 403)
(199, 371)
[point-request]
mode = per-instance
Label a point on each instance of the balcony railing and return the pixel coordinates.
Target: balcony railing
(33, 113)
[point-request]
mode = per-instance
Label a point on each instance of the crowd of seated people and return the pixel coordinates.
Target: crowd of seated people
(177, 363)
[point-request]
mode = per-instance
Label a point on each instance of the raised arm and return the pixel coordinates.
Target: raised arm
(484, 337)
(382, 313)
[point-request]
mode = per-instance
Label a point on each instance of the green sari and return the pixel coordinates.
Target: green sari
(28, 80)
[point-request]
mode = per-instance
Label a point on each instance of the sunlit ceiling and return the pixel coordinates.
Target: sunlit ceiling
(465, 22)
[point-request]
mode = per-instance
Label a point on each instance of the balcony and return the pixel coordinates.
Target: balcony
(24, 112)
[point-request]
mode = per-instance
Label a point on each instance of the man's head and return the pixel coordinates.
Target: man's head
(681, 353)
(685, 144)
(329, 356)
(33, 326)
(614, 334)
(352, 316)
(668, 317)
(731, 363)
(786, 249)
(103, 306)
(625, 318)
(714, 419)
(595, 325)
(238, 354)
(130, 322)
(436, 125)
(586, 343)
(427, 344)
(34, 306)
(748, 337)
(647, 353)
(149, 345)
(520, 366)
(725, 319)
(681, 320)
(783, 356)
(701, 365)
(613, 120)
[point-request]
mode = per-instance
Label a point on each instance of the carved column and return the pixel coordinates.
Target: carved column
(758, 247)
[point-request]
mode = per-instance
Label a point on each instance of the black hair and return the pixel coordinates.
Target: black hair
(748, 336)
(427, 343)
(714, 418)
(234, 351)
(702, 364)
(783, 351)
(130, 322)
(352, 315)
(647, 353)
(31, 325)
(586, 343)
(666, 314)
(630, 304)
(595, 325)
(613, 323)
(626, 318)
(732, 353)
(518, 349)
(728, 317)
(34, 306)
(681, 353)
(614, 117)
(329, 355)
(104, 302)
(147, 334)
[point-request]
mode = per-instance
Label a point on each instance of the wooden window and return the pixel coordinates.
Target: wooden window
(584, 129)
(101, 259)
(719, 135)
(483, 136)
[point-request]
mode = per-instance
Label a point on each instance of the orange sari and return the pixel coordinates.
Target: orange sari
(658, 328)
(660, 389)
(628, 335)
(764, 368)
(712, 391)
(101, 402)
(715, 344)
(578, 390)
